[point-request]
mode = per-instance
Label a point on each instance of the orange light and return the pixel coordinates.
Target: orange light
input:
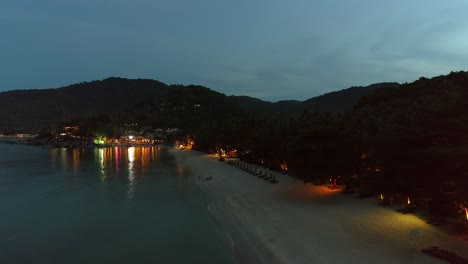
(466, 212)
(284, 166)
(381, 196)
(409, 202)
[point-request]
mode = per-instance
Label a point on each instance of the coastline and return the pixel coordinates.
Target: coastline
(73, 144)
(244, 244)
(294, 223)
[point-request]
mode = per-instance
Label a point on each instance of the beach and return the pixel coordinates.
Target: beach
(290, 222)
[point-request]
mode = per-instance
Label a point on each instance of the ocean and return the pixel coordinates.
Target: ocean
(103, 205)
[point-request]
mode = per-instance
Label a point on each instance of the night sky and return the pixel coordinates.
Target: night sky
(271, 49)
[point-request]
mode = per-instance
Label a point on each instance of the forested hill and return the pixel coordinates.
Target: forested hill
(30, 110)
(334, 102)
(418, 134)
(33, 110)
(344, 100)
(427, 112)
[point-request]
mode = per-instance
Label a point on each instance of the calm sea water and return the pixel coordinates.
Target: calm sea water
(102, 205)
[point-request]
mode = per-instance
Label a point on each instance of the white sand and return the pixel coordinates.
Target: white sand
(292, 223)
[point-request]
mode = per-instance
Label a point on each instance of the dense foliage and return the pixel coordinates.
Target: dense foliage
(418, 135)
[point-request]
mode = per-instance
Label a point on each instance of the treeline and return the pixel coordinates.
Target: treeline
(408, 141)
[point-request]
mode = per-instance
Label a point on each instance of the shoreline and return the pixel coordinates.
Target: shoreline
(290, 222)
(77, 144)
(244, 245)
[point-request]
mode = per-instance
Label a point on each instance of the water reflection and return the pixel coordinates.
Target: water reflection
(60, 157)
(133, 163)
(131, 172)
(117, 160)
(102, 172)
(63, 156)
(76, 161)
(180, 175)
(53, 158)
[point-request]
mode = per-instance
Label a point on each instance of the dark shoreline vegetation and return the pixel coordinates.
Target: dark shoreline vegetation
(407, 141)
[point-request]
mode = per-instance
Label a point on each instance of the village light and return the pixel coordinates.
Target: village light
(409, 202)
(99, 141)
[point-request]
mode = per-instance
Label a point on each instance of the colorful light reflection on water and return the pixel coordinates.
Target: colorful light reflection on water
(112, 162)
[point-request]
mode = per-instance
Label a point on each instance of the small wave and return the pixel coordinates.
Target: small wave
(210, 207)
(229, 240)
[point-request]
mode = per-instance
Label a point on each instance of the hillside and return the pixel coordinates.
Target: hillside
(31, 110)
(34, 110)
(420, 130)
(333, 102)
(343, 100)
(184, 107)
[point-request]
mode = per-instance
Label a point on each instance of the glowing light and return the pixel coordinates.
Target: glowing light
(99, 141)
(101, 164)
(409, 202)
(131, 173)
(314, 192)
(381, 196)
(130, 137)
(284, 166)
(131, 156)
(466, 212)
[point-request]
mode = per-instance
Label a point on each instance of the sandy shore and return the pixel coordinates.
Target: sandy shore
(292, 223)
